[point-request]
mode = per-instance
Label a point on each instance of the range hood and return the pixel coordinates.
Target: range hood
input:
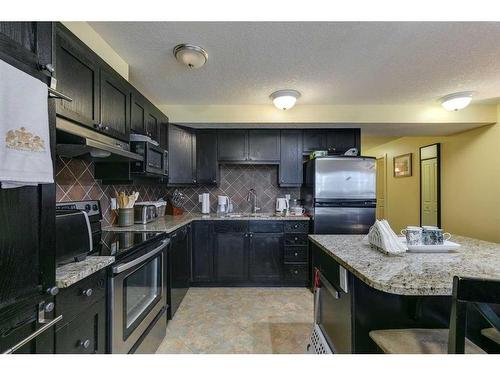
(77, 141)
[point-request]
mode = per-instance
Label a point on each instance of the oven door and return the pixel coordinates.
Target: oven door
(138, 295)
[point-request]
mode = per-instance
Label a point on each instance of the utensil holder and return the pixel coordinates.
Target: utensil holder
(125, 217)
(174, 211)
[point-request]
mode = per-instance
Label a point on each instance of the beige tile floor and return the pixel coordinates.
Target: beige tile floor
(241, 320)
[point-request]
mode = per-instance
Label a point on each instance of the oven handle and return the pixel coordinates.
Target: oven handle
(126, 266)
(333, 291)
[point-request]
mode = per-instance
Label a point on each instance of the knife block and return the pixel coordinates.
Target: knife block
(174, 211)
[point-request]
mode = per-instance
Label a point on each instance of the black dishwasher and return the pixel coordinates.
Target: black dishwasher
(179, 261)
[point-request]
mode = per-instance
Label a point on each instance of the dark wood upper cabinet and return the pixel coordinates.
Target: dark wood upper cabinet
(341, 140)
(115, 105)
(138, 112)
(264, 145)
(153, 124)
(249, 146)
(313, 139)
(181, 155)
(290, 169)
(207, 166)
(336, 141)
(27, 46)
(77, 72)
(163, 131)
(232, 145)
(265, 256)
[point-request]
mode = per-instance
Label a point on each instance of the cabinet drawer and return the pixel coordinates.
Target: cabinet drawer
(86, 333)
(258, 226)
(296, 239)
(297, 226)
(224, 226)
(72, 301)
(295, 272)
(295, 254)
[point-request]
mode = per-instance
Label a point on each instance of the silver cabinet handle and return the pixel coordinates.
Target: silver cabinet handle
(87, 292)
(53, 291)
(125, 266)
(84, 343)
(296, 254)
(38, 332)
(54, 94)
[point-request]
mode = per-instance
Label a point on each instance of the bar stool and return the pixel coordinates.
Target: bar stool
(477, 292)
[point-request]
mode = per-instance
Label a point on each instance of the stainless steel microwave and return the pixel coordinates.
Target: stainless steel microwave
(155, 163)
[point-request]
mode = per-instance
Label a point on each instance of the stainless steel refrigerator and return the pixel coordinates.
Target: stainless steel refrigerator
(339, 194)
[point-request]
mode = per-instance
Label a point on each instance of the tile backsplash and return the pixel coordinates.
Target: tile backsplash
(75, 181)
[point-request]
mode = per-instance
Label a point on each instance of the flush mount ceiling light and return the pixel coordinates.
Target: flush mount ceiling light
(456, 101)
(190, 55)
(284, 99)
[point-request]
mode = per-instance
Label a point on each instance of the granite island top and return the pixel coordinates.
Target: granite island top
(412, 273)
(171, 223)
(71, 273)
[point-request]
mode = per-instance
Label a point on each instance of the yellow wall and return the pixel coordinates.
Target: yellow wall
(470, 182)
(369, 142)
(92, 39)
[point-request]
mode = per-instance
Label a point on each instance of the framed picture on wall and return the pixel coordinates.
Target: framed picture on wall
(402, 165)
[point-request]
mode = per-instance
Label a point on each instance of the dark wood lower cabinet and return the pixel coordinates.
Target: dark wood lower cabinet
(86, 333)
(231, 263)
(83, 307)
(241, 253)
(266, 256)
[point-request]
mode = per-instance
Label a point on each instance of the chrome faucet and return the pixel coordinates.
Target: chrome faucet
(252, 198)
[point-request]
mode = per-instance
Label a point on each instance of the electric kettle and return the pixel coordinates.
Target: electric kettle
(281, 204)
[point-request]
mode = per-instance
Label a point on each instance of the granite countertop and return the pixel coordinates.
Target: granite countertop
(71, 273)
(412, 273)
(171, 223)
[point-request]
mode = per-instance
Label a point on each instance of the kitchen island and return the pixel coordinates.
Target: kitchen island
(408, 291)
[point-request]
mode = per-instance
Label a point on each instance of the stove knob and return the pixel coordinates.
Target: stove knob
(49, 307)
(87, 207)
(94, 207)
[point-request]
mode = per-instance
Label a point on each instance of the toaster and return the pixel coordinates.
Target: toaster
(144, 213)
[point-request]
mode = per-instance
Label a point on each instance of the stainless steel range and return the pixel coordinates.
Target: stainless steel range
(137, 290)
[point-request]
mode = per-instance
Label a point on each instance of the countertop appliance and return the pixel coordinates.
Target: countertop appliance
(339, 194)
(204, 199)
(179, 270)
(155, 163)
(137, 290)
(145, 213)
(282, 205)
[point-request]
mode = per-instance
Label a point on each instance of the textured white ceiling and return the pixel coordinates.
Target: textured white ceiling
(329, 63)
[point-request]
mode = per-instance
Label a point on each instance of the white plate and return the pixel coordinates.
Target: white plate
(447, 246)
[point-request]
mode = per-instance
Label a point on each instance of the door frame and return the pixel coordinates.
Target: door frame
(438, 157)
(386, 205)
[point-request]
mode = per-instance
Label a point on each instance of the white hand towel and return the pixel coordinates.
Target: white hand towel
(25, 158)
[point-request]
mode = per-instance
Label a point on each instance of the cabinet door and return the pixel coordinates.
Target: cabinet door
(207, 166)
(163, 131)
(77, 75)
(115, 110)
(291, 158)
(181, 150)
(86, 334)
(26, 45)
(264, 145)
(153, 123)
(232, 145)
(265, 256)
(202, 253)
(341, 140)
(313, 139)
(138, 111)
(231, 262)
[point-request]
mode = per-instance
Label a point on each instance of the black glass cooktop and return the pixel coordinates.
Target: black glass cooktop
(118, 244)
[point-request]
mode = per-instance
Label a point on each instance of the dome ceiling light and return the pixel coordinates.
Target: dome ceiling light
(190, 55)
(284, 99)
(456, 101)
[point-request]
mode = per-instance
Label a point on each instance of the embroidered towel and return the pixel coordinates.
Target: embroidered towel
(25, 158)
